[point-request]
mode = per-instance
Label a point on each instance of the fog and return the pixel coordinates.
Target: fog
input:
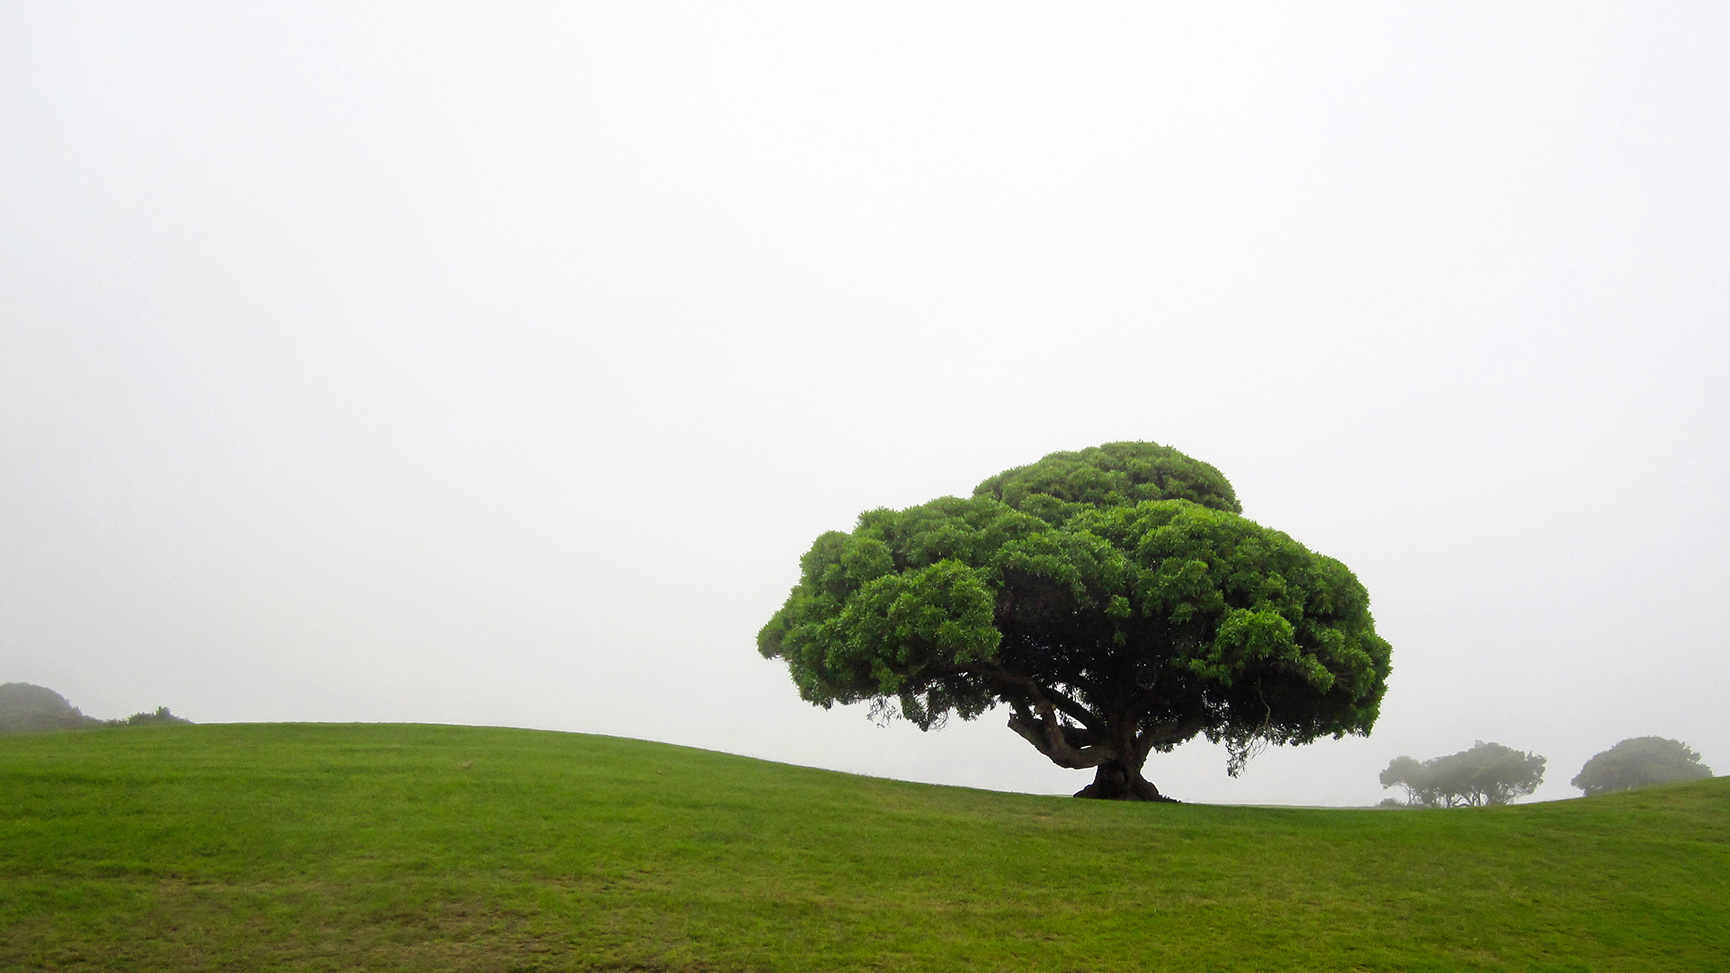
(494, 364)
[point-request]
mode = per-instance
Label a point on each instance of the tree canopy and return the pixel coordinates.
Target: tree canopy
(1487, 774)
(1113, 598)
(1637, 762)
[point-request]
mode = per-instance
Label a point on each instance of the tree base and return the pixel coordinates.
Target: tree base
(1112, 782)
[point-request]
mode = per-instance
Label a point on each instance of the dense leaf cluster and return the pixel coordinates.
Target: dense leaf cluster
(1113, 597)
(1487, 774)
(1639, 762)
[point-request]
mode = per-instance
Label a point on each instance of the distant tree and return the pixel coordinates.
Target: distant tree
(161, 716)
(1408, 773)
(1637, 762)
(1487, 774)
(1449, 781)
(1112, 598)
(1497, 774)
(26, 708)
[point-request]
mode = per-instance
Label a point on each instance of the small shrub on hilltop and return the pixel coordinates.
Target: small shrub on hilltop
(161, 716)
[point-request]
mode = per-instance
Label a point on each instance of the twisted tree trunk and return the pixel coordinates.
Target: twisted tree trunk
(1117, 781)
(1116, 754)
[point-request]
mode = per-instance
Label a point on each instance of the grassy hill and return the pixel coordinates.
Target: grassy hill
(321, 847)
(25, 708)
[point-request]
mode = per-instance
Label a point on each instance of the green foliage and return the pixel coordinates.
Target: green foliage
(1487, 774)
(397, 848)
(162, 717)
(1408, 773)
(1114, 598)
(1114, 475)
(1639, 762)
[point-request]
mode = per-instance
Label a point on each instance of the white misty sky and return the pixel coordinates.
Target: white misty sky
(495, 363)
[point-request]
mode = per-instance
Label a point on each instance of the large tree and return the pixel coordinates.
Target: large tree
(1112, 598)
(1638, 762)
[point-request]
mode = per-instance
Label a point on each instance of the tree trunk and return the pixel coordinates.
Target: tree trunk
(1115, 781)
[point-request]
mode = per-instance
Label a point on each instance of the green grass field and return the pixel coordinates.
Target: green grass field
(324, 847)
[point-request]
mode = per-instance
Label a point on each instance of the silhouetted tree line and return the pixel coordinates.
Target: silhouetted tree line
(1487, 774)
(25, 708)
(1490, 773)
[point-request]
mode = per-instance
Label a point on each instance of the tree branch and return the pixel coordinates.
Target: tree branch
(1152, 736)
(1065, 746)
(1005, 679)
